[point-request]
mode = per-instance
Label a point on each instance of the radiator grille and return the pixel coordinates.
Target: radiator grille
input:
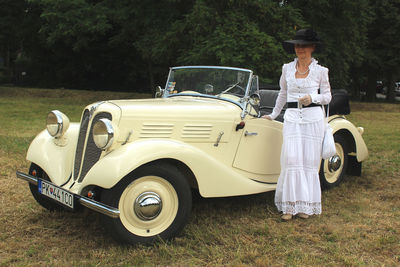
(81, 142)
(91, 153)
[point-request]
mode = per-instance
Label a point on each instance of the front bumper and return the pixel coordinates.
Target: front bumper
(84, 201)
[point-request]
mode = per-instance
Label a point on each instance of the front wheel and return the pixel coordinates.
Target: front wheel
(332, 170)
(154, 202)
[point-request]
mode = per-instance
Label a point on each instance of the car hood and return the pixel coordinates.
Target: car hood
(181, 107)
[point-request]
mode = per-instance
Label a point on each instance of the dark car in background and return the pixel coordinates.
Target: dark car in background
(397, 88)
(380, 88)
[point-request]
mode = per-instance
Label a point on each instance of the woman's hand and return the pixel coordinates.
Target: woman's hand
(268, 117)
(305, 100)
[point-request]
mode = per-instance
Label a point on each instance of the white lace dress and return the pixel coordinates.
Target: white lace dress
(298, 189)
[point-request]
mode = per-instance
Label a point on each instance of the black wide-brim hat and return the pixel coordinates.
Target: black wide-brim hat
(303, 37)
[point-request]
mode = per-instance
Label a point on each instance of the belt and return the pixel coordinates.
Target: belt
(295, 105)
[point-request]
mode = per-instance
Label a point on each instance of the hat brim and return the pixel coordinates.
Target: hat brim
(289, 45)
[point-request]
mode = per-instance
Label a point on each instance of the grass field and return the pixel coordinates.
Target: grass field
(359, 226)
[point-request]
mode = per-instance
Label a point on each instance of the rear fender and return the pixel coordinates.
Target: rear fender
(54, 159)
(214, 179)
(339, 124)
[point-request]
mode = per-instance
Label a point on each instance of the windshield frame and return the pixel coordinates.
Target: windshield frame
(241, 101)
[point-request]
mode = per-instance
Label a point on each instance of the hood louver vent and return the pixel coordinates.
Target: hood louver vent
(156, 130)
(196, 131)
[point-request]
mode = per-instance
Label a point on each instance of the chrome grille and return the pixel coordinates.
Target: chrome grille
(81, 142)
(91, 154)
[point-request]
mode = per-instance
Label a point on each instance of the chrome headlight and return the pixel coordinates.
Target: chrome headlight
(103, 134)
(57, 123)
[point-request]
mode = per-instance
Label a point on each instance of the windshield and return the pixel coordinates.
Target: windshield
(216, 81)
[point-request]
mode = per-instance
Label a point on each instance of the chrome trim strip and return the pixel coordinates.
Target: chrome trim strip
(94, 107)
(210, 67)
(166, 83)
(84, 201)
(31, 179)
(219, 138)
(269, 183)
(99, 207)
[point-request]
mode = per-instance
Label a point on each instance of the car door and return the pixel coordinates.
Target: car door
(259, 149)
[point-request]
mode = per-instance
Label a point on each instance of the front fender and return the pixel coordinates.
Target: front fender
(340, 123)
(213, 177)
(54, 159)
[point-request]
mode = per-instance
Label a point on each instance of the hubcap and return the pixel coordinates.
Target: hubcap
(334, 163)
(148, 206)
(333, 167)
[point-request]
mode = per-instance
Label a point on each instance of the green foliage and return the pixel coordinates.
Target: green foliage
(383, 48)
(13, 17)
(129, 45)
(343, 27)
(75, 22)
(243, 34)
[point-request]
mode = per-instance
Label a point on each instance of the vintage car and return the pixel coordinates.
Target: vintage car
(137, 161)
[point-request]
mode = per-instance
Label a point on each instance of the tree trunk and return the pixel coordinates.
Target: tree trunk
(356, 84)
(151, 75)
(390, 88)
(371, 85)
(8, 56)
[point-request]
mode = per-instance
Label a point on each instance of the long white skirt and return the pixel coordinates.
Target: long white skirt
(298, 189)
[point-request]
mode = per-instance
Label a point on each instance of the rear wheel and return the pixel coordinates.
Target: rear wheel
(154, 202)
(45, 202)
(332, 170)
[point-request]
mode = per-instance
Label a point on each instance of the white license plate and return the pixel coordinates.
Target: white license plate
(54, 192)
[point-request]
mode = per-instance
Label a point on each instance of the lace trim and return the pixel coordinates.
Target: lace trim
(289, 207)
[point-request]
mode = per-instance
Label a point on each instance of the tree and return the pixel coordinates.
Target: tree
(235, 33)
(343, 26)
(117, 44)
(382, 53)
(142, 27)
(12, 29)
(146, 37)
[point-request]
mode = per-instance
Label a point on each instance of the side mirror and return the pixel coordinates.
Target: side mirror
(159, 92)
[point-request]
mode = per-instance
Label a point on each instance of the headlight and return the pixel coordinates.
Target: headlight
(57, 123)
(103, 134)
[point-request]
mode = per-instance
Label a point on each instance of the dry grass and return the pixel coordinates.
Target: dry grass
(360, 224)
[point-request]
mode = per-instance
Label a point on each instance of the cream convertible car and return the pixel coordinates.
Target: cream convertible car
(136, 161)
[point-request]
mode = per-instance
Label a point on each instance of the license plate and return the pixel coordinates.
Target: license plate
(54, 192)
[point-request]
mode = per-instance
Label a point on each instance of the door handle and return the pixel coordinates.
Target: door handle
(246, 133)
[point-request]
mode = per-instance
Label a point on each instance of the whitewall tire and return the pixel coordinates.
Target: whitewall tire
(154, 202)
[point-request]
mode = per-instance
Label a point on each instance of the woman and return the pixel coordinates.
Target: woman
(304, 87)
